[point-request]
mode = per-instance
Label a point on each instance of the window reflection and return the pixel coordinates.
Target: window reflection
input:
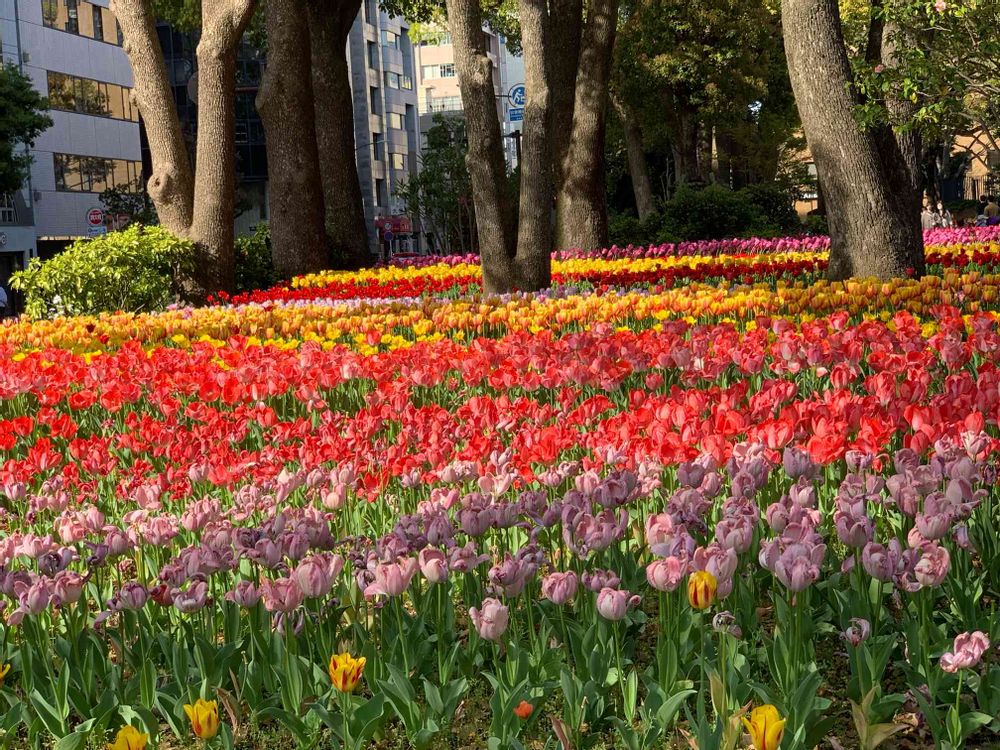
(90, 97)
(82, 18)
(94, 173)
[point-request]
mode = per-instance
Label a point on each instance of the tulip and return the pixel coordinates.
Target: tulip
(702, 588)
(766, 727)
(345, 671)
(490, 619)
(666, 574)
(204, 717)
(4, 669)
(129, 738)
(433, 564)
(560, 588)
(858, 631)
(613, 604)
(393, 578)
(523, 710)
(966, 653)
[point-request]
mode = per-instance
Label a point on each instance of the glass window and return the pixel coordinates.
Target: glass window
(398, 161)
(373, 96)
(98, 22)
(372, 55)
(94, 173)
(72, 17)
(109, 26)
(380, 196)
(50, 13)
(90, 97)
(406, 82)
(378, 146)
(390, 39)
(392, 80)
(395, 120)
(8, 214)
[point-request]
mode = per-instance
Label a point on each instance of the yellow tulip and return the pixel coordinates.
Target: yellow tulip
(766, 727)
(4, 669)
(345, 671)
(129, 738)
(701, 589)
(204, 716)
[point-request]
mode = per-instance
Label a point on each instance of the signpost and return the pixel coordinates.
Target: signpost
(95, 222)
(516, 95)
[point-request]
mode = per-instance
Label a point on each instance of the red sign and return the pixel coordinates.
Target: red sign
(95, 217)
(395, 224)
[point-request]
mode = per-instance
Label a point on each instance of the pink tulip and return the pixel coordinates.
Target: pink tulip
(245, 594)
(858, 631)
(560, 588)
(315, 575)
(433, 565)
(666, 574)
(490, 619)
(614, 604)
(193, 599)
(391, 579)
(932, 567)
(966, 652)
(281, 595)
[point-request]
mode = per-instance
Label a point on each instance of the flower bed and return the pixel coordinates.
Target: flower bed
(744, 514)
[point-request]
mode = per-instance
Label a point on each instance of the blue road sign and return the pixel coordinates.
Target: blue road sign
(515, 114)
(516, 95)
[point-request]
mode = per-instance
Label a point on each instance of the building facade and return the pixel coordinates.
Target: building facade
(439, 93)
(71, 50)
(386, 126)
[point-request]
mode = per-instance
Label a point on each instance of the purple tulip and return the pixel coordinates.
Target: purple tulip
(245, 594)
(193, 599)
(614, 604)
(281, 595)
(433, 565)
(392, 579)
(857, 632)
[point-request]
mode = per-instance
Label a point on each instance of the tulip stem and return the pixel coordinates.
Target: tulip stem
(402, 639)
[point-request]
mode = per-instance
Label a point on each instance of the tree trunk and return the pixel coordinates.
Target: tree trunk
(724, 160)
(222, 27)
(171, 185)
(583, 207)
(334, 104)
(564, 32)
(706, 174)
(485, 159)
(684, 146)
(534, 232)
(874, 231)
(285, 103)
(638, 169)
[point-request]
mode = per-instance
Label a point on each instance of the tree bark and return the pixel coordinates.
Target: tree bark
(874, 231)
(487, 169)
(329, 27)
(638, 169)
(222, 27)
(534, 232)
(285, 103)
(171, 185)
(583, 208)
(565, 29)
(706, 174)
(684, 146)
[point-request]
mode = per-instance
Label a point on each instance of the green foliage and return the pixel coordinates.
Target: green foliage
(816, 224)
(775, 202)
(254, 265)
(440, 194)
(137, 269)
(133, 202)
(22, 119)
(713, 213)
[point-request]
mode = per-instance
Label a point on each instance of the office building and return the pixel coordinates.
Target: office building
(437, 83)
(386, 129)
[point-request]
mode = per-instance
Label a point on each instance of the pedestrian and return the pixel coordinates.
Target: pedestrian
(947, 220)
(928, 219)
(992, 210)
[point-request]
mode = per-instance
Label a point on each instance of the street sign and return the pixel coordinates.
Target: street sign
(388, 235)
(93, 231)
(387, 226)
(516, 95)
(95, 217)
(3, 239)
(515, 115)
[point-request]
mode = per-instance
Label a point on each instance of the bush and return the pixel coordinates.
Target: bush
(254, 265)
(713, 213)
(775, 203)
(816, 224)
(137, 269)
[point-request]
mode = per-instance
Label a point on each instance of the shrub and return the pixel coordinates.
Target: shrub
(135, 270)
(254, 265)
(713, 213)
(775, 203)
(816, 224)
